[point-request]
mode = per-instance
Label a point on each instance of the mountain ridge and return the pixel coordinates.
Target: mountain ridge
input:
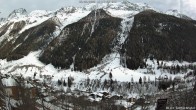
(17, 13)
(62, 18)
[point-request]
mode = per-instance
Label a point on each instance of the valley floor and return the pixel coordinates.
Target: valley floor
(109, 86)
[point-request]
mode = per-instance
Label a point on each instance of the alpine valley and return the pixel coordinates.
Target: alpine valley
(110, 56)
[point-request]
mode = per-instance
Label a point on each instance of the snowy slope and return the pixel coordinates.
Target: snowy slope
(30, 64)
(72, 14)
(18, 13)
(177, 14)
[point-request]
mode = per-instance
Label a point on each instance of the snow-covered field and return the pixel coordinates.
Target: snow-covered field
(29, 65)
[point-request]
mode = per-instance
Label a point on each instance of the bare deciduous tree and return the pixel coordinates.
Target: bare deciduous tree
(2, 96)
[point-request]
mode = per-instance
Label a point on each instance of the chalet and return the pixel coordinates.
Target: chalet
(15, 91)
(132, 99)
(177, 79)
(12, 91)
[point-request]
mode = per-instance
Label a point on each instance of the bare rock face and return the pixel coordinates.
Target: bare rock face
(2, 19)
(17, 27)
(4, 28)
(83, 44)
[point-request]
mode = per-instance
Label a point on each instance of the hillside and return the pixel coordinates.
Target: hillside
(83, 43)
(160, 36)
(35, 38)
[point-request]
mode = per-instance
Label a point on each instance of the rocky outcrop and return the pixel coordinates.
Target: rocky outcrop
(4, 28)
(2, 20)
(17, 27)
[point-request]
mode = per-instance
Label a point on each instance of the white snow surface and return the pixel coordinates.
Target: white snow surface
(68, 15)
(37, 13)
(30, 64)
(177, 14)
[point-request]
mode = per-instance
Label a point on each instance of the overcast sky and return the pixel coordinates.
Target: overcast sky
(7, 6)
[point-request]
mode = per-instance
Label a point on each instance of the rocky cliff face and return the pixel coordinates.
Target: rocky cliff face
(160, 36)
(4, 28)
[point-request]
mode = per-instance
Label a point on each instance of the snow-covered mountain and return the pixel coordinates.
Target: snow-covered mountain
(18, 13)
(2, 19)
(177, 14)
(122, 39)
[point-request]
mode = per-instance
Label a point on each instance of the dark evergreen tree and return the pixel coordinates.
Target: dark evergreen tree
(110, 75)
(151, 57)
(178, 68)
(34, 75)
(2, 96)
(194, 89)
(129, 85)
(59, 82)
(140, 80)
(163, 86)
(111, 82)
(105, 82)
(194, 72)
(69, 82)
(88, 81)
(112, 88)
(64, 83)
(157, 62)
(173, 85)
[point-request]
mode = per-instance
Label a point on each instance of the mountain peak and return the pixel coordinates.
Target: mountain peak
(67, 9)
(176, 13)
(37, 13)
(2, 19)
(99, 12)
(125, 5)
(17, 13)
